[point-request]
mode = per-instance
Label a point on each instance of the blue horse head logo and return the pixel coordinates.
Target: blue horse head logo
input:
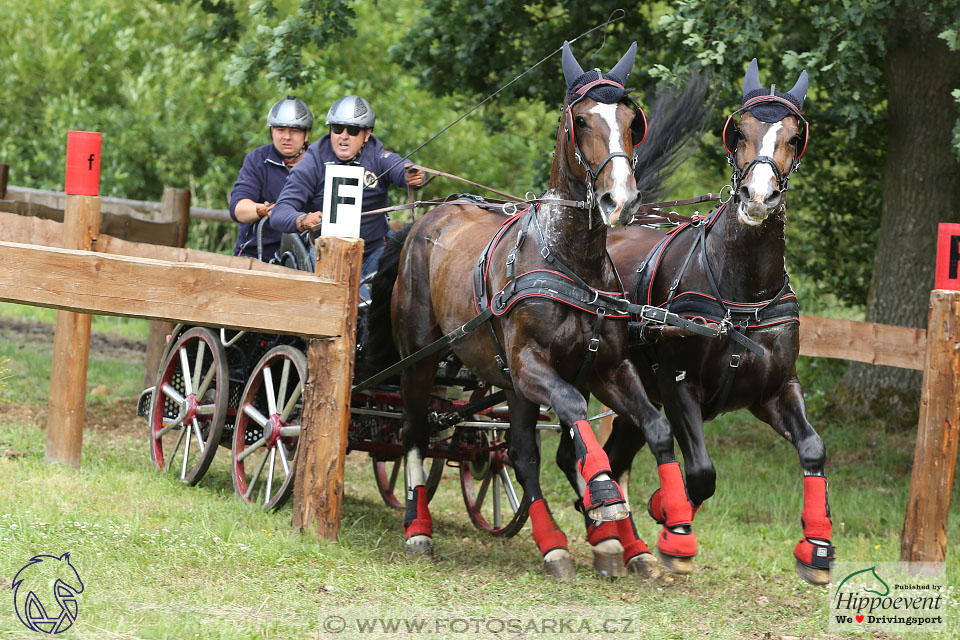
(37, 579)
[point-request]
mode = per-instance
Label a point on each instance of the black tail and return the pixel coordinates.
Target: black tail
(382, 351)
(677, 119)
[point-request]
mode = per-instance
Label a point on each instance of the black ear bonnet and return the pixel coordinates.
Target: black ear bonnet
(768, 105)
(605, 88)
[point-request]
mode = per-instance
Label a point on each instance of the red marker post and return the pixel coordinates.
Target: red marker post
(71, 342)
(948, 257)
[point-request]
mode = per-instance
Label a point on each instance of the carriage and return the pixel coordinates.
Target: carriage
(242, 391)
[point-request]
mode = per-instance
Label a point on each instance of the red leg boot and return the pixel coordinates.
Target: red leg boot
(602, 499)
(677, 542)
(814, 553)
(550, 540)
(417, 523)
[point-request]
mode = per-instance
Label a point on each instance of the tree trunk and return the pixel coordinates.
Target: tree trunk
(921, 187)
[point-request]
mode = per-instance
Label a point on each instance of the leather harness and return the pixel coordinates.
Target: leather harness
(735, 318)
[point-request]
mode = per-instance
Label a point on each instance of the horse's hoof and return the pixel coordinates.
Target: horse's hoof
(609, 564)
(676, 565)
(644, 565)
(609, 512)
(419, 546)
(813, 576)
(561, 568)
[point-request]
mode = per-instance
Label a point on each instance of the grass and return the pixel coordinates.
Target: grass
(161, 560)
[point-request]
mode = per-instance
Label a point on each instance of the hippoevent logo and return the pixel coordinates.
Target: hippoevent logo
(45, 594)
(888, 597)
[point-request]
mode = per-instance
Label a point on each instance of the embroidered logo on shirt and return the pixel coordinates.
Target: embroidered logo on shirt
(369, 179)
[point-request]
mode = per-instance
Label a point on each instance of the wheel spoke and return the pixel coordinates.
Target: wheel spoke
(508, 487)
(292, 402)
(206, 409)
(176, 447)
(186, 455)
(198, 364)
(290, 430)
(284, 380)
(173, 394)
(205, 383)
(496, 502)
(256, 445)
(185, 371)
(253, 479)
(478, 502)
(394, 475)
(282, 450)
(273, 459)
(268, 383)
(196, 431)
(251, 411)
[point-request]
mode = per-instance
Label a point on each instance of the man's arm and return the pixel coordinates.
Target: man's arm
(247, 191)
(303, 185)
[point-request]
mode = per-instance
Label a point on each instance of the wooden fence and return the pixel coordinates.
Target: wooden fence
(161, 283)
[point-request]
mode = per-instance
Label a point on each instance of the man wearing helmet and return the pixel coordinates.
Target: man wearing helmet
(350, 141)
(263, 174)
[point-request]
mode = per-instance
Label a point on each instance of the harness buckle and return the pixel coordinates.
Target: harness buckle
(735, 361)
(511, 258)
(545, 253)
(594, 345)
(500, 363)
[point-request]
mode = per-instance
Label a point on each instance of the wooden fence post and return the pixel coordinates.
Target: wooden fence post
(318, 487)
(71, 346)
(175, 207)
(924, 536)
(4, 176)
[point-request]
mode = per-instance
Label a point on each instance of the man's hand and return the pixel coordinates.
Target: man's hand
(309, 220)
(264, 209)
(414, 175)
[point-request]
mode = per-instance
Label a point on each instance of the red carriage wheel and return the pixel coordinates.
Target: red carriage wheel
(189, 405)
(390, 476)
(489, 486)
(267, 430)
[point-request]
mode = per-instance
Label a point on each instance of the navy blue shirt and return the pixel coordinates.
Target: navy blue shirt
(261, 179)
(303, 191)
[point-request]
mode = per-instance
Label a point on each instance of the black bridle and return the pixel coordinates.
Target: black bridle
(783, 179)
(568, 128)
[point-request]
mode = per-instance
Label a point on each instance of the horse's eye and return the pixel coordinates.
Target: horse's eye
(580, 121)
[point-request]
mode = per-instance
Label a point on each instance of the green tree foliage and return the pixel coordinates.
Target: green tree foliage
(173, 111)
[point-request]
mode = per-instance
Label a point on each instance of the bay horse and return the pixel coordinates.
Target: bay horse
(729, 268)
(552, 335)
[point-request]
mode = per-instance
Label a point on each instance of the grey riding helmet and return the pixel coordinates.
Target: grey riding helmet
(290, 112)
(352, 110)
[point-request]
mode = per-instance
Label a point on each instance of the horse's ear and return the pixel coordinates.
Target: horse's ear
(730, 135)
(571, 68)
(751, 81)
(623, 68)
(799, 90)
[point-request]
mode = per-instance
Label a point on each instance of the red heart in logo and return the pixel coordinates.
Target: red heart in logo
(859, 618)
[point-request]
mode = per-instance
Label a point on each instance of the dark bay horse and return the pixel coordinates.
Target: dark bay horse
(549, 339)
(729, 267)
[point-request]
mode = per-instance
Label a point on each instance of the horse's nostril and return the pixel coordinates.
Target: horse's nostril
(607, 203)
(744, 194)
(772, 198)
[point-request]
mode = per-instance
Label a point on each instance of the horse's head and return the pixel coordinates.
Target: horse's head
(765, 146)
(600, 126)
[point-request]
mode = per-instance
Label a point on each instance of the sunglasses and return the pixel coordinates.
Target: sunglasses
(354, 131)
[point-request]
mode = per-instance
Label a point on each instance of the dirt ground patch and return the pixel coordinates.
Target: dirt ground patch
(106, 345)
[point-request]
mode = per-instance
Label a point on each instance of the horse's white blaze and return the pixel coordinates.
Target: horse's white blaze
(619, 167)
(763, 179)
(414, 469)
